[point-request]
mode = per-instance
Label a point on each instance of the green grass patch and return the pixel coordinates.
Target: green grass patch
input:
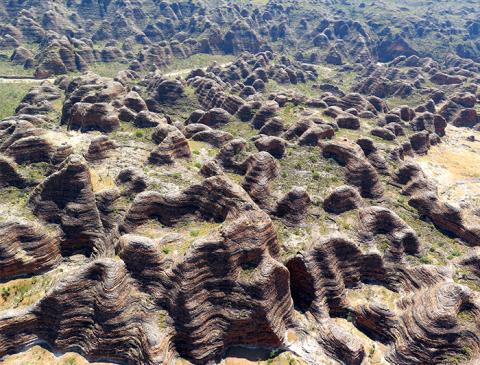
(14, 204)
(12, 93)
(24, 292)
(107, 69)
(200, 60)
(8, 68)
(304, 166)
(240, 129)
(35, 171)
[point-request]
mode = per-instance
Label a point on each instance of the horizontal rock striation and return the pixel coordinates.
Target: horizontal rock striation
(215, 198)
(66, 198)
(99, 103)
(359, 171)
(99, 148)
(163, 248)
(26, 249)
(260, 169)
(232, 274)
(321, 275)
(172, 145)
(342, 199)
(96, 311)
(431, 329)
(293, 207)
(424, 198)
(378, 220)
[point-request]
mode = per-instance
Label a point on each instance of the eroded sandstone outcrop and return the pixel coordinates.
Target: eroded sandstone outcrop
(424, 198)
(26, 249)
(212, 214)
(293, 207)
(66, 198)
(342, 199)
(359, 172)
(9, 175)
(119, 328)
(172, 144)
(241, 256)
(379, 220)
(260, 169)
(430, 327)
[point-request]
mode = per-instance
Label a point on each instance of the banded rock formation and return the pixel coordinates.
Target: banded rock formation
(66, 198)
(359, 172)
(26, 249)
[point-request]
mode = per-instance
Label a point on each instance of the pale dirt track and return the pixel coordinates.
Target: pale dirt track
(21, 79)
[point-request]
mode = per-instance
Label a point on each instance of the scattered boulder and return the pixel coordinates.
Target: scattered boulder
(466, 118)
(420, 142)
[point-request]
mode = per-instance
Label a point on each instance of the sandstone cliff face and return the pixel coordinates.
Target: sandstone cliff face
(424, 198)
(26, 250)
(244, 259)
(66, 198)
(359, 172)
(103, 290)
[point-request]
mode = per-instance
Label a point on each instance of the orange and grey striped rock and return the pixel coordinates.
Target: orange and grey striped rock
(26, 249)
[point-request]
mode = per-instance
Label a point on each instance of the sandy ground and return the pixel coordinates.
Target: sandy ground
(24, 81)
(455, 166)
(173, 74)
(186, 71)
(39, 356)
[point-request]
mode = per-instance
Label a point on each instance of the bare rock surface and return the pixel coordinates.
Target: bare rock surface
(66, 198)
(26, 250)
(359, 172)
